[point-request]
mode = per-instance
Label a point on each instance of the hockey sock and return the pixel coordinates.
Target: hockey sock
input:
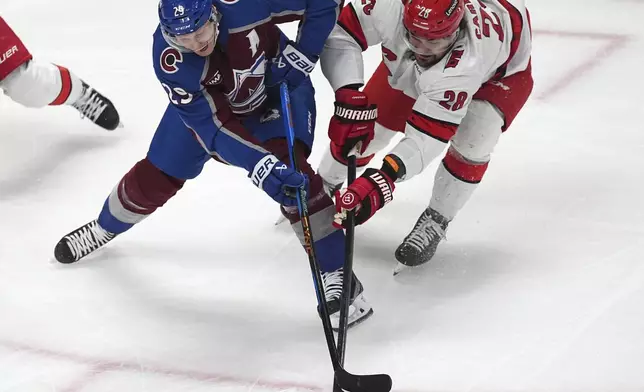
(454, 183)
(139, 193)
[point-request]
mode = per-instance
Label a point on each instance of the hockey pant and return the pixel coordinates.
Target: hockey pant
(490, 113)
(175, 156)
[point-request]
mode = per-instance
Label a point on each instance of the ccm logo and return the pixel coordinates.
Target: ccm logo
(262, 169)
(8, 54)
(385, 189)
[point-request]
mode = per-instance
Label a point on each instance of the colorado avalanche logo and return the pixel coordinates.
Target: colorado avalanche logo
(170, 57)
(249, 91)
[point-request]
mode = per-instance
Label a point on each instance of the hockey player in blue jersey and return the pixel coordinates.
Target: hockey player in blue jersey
(221, 63)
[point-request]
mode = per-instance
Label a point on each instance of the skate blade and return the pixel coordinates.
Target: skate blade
(357, 322)
(280, 220)
(117, 127)
(400, 267)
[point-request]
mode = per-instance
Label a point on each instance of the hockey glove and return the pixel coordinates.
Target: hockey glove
(291, 66)
(278, 180)
(352, 123)
(367, 194)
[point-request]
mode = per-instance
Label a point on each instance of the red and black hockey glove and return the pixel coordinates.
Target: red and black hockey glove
(367, 194)
(352, 123)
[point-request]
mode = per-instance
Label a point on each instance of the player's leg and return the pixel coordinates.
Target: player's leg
(394, 107)
(491, 112)
(329, 241)
(35, 84)
(456, 179)
(174, 156)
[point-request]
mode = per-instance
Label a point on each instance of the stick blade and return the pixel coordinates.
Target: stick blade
(363, 383)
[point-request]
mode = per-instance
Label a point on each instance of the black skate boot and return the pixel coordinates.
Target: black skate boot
(359, 308)
(81, 242)
(97, 108)
(420, 245)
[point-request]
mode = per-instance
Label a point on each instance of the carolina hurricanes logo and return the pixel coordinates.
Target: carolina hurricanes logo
(454, 58)
(388, 54)
(348, 198)
(169, 59)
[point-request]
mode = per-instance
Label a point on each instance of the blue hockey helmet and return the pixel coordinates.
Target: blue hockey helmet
(178, 17)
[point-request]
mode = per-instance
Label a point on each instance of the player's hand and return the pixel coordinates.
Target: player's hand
(278, 180)
(352, 123)
(367, 194)
(291, 66)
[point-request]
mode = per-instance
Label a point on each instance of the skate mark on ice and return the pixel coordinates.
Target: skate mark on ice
(612, 43)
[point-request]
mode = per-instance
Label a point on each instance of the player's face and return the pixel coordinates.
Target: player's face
(202, 41)
(429, 51)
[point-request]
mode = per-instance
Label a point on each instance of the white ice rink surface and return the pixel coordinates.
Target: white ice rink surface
(540, 287)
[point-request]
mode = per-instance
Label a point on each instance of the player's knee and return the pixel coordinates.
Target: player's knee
(145, 187)
(479, 132)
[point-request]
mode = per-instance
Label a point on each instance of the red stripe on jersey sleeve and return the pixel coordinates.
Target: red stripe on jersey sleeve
(349, 21)
(439, 130)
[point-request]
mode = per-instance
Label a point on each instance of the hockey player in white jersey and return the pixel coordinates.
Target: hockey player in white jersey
(36, 84)
(455, 73)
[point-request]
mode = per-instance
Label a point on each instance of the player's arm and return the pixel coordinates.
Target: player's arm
(216, 128)
(362, 23)
(318, 19)
(297, 59)
(435, 117)
(222, 135)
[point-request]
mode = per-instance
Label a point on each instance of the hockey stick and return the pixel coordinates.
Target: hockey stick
(350, 226)
(347, 381)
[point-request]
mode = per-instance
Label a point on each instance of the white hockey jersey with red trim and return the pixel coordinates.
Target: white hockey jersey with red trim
(494, 41)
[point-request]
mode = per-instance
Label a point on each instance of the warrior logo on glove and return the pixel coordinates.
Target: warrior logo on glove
(352, 124)
(367, 194)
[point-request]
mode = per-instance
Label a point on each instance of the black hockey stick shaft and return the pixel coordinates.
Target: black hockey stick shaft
(303, 210)
(346, 381)
(350, 226)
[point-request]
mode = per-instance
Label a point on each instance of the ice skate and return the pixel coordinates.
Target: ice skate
(96, 107)
(421, 243)
(359, 308)
(81, 242)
